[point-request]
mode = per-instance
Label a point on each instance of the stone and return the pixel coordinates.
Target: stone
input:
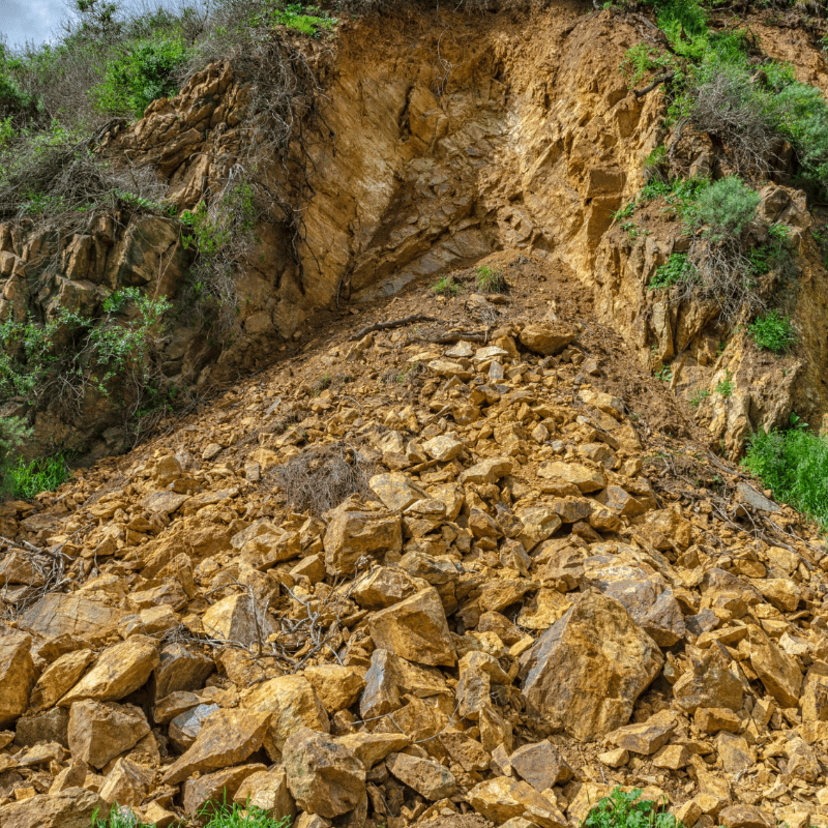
(503, 798)
(584, 479)
(128, 783)
(227, 738)
(587, 670)
(59, 677)
(291, 704)
(185, 727)
(734, 752)
(756, 499)
(396, 490)
(324, 778)
(235, 619)
(384, 587)
(100, 731)
(268, 791)
(713, 719)
(72, 615)
(487, 471)
(72, 776)
(541, 765)
(783, 593)
(17, 674)
(428, 778)
(416, 629)
(219, 787)
(614, 758)
(467, 752)
(72, 808)
(539, 523)
(352, 534)
(443, 448)
(180, 669)
(646, 595)
(50, 726)
(672, 757)
(337, 687)
(644, 738)
(814, 700)
(548, 339)
(120, 670)
(778, 671)
(621, 502)
(708, 683)
(371, 748)
(744, 816)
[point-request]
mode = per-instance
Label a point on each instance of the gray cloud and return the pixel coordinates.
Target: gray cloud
(30, 20)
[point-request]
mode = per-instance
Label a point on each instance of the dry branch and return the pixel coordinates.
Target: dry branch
(395, 323)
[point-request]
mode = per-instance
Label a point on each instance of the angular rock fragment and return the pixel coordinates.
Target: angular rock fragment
(587, 670)
(17, 674)
(227, 738)
(353, 533)
(549, 338)
(59, 677)
(323, 777)
(415, 629)
(72, 808)
(503, 798)
(128, 783)
(644, 738)
(541, 765)
(100, 731)
(268, 791)
(218, 788)
(237, 618)
(429, 779)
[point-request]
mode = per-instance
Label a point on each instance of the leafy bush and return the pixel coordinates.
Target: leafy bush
(793, 464)
(27, 480)
(13, 433)
(446, 286)
(628, 810)
(723, 210)
(674, 271)
(144, 71)
(490, 279)
(773, 332)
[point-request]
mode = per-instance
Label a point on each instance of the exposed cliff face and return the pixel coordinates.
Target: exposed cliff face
(443, 139)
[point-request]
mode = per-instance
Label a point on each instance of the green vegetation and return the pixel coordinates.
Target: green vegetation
(26, 480)
(773, 332)
(446, 286)
(309, 20)
(237, 816)
(64, 360)
(490, 279)
(725, 387)
(676, 270)
(627, 810)
(722, 210)
(793, 464)
(698, 397)
(13, 433)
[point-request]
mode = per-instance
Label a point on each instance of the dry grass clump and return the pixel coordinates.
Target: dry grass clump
(322, 477)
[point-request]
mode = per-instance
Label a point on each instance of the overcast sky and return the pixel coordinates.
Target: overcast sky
(36, 20)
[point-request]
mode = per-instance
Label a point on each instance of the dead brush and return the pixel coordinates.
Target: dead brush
(322, 477)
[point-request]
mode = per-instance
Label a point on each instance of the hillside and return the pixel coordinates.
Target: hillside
(443, 390)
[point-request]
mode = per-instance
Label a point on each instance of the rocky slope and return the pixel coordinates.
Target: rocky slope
(447, 567)
(441, 139)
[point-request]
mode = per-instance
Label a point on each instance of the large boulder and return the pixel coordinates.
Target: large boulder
(324, 778)
(587, 670)
(99, 731)
(17, 674)
(72, 808)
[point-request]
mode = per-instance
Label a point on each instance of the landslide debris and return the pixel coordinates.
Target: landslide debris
(548, 588)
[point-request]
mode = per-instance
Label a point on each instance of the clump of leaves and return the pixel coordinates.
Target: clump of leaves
(723, 210)
(698, 397)
(26, 480)
(773, 332)
(674, 271)
(725, 387)
(446, 286)
(490, 279)
(793, 464)
(623, 809)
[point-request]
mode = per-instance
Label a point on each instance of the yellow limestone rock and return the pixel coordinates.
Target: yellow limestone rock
(120, 670)
(587, 670)
(227, 738)
(59, 677)
(416, 629)
(73, 808)
(267, 790)
(354, 533)
(337, 687)
(428, 778)
(324, 777)
(291, 704)
(100, 731)
(504, 798)
(127, 783)
(17, 674)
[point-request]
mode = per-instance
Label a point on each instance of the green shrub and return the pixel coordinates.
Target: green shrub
(27, 480)
(144, 71)
(237, 816)
(676, 270)
(118, 817)
(723, 210)
(490, 279)
(628, 810)
(446, 286)
(13, 433)
(793, 464)
(773, 332)
(725, 387)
